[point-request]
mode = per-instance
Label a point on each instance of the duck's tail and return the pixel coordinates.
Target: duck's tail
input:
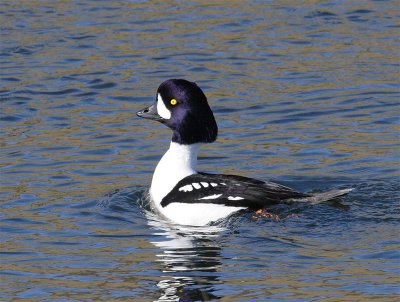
(316, 198)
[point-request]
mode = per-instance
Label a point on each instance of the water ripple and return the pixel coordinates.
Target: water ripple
(305, 95)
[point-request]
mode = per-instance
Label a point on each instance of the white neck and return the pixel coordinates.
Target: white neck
(177, 163)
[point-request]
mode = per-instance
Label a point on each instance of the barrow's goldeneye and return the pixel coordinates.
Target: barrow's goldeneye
(181, 193)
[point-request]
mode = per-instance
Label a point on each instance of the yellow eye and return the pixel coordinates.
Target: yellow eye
(173, 102)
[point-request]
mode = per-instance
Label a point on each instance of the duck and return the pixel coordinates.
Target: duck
(185, 196)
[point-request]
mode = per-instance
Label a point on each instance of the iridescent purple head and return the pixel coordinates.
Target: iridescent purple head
(183, 107)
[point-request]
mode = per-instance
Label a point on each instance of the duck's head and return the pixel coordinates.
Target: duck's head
(183, 107)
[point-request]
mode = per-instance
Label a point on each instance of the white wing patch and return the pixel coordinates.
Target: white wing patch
(235, 198)
(186, 188)
(196, 185)
(213, 184)
(205, 184)
(161, 109)
(215, 196)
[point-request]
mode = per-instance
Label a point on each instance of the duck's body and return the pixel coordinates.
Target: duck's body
(181, 193)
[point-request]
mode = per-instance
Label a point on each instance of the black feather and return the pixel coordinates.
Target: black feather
(256, 194)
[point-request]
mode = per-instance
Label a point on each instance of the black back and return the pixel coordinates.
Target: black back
(256, 194)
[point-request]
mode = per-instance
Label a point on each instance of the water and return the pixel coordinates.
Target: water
(304, 93)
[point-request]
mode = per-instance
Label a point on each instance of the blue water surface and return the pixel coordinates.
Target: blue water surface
(305, 94)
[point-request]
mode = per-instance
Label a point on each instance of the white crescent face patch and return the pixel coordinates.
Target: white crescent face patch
(161, 109)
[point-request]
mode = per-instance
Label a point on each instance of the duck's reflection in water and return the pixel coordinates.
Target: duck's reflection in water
(191, 257)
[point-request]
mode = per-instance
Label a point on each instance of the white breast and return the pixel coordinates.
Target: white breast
(177, 163)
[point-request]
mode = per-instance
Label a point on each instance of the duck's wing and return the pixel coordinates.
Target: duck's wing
(229, 190)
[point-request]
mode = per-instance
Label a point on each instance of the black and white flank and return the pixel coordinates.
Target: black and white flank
(181, 193)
